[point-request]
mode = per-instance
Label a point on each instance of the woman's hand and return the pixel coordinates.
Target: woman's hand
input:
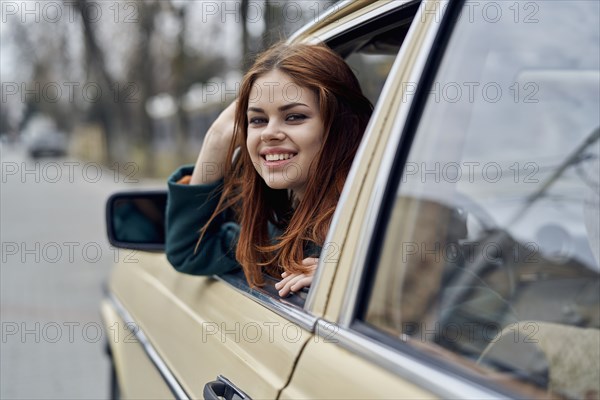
(213, 154)
(295, 282)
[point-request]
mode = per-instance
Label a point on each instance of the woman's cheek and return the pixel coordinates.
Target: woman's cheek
(252, 147)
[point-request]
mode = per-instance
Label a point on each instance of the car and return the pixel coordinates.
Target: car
(462, 260)
(47, 143)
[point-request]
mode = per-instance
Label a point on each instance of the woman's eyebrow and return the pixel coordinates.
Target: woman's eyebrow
(282, 108)
(291, 105)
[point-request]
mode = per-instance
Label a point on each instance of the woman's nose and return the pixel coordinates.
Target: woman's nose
(272, 132)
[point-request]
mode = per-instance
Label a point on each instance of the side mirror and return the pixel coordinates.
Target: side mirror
(136, 220)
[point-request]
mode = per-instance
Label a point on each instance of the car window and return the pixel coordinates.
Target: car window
(370, 48)
(489, 254)
(371, 71)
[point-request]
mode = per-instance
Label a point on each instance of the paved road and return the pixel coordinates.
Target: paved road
(54, 262)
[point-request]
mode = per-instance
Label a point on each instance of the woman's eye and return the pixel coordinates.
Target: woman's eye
(296, 117)
(257, 121)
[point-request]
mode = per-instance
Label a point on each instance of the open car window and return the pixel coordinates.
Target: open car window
(489, 259)
(370, 48)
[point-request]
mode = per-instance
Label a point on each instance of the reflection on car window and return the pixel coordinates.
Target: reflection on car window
(491, 251)
(372, 71)
(371, 50)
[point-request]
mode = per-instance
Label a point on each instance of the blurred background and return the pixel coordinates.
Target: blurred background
(132, 81)
(100, 96)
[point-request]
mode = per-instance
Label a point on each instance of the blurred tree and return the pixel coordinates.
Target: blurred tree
(245, 4)
(5, 126)
(105, 111)
(274, 23)
(140, 77)
(38, 93)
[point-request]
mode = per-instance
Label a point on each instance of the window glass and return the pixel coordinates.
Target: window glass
(371, 50)
(490, 257)
(371, 70)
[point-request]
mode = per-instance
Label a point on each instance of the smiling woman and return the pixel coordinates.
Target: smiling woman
(279, 116)
(297, 124)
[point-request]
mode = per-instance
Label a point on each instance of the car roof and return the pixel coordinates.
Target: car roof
(335, 13)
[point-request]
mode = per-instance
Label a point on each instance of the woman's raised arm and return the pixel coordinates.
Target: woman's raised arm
(213, 154)
(192, 202)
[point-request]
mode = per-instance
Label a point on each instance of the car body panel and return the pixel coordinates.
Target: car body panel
(348, 377)
(137, 376)
(248, 343)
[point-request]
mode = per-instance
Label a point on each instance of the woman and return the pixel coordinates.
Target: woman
(297, 123)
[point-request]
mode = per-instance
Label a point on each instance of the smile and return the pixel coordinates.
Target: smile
(278, 157)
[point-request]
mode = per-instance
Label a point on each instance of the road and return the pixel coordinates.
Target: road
(55, 260)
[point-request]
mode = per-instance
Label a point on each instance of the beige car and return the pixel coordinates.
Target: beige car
(463, 259)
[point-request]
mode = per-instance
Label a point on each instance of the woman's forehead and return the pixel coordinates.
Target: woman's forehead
(277, 88)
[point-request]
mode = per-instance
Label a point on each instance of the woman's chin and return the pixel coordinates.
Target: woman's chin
(278, 185)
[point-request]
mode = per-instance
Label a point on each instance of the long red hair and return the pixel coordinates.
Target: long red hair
(345, 112)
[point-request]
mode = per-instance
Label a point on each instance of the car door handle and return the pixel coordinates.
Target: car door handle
(222, 388)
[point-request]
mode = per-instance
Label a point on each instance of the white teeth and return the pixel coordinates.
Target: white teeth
(277, 157)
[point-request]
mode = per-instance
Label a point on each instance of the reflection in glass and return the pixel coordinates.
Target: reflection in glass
(491, 252)
(139, 219)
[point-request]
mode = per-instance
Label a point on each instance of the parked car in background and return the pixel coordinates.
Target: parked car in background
(47, 143)
(463, 258)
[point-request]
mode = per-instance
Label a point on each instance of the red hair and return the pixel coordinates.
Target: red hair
(345, 112)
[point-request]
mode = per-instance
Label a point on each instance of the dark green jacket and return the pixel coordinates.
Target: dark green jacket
(188, 209)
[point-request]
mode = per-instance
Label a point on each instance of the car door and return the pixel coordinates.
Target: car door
(197, 328)
(469, 267)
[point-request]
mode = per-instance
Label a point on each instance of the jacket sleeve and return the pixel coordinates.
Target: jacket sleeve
(188, 209)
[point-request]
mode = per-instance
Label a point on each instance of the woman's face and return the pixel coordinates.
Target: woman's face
(285, 131)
